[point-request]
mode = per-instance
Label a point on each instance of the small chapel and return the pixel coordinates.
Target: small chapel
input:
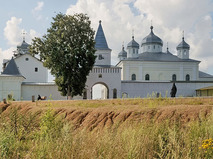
(144, 70)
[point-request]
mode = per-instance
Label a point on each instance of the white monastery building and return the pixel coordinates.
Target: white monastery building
(137, 74)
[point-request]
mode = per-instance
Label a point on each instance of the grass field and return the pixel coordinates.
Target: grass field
(122, 128)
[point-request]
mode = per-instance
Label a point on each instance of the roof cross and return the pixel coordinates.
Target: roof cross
(24, 34)
(183, 35)
(132, 33)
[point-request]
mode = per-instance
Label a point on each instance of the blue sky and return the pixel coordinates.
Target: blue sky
(119, 18)
(38, 20)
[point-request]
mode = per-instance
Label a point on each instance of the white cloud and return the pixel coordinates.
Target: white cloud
(6, 54)
(37, 9)
(12, 32)
(169, 20)
(39, 6)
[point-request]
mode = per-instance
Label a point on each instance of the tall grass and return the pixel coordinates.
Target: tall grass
(27, 136)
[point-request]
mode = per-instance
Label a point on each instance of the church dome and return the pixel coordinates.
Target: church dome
(22, 49)
(152, 38)
(123, 53)
(24, 45)
(183, 44)
(133, 43)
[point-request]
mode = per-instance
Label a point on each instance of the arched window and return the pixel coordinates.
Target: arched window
(114, 93)
(147, 77)
(187, 77)
(100, 57)
(124, 95)
(133, 77)
(174, 77)
(100, 76)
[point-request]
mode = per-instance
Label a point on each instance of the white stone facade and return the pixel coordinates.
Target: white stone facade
(158, 71)
(103, 57)
(31, 68)
(132, 89)
(10, 85)
(108, 76)
(50, 90)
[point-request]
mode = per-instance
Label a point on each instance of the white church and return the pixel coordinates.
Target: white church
(137, 74)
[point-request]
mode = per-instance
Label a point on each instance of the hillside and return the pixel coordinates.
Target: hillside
(99, 114)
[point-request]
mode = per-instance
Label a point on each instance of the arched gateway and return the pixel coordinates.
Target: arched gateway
(99, 91)
(104, 80)
(106, 86)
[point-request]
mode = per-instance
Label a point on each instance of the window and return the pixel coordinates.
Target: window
(187, 77)
(26, 59)
(133, 51)
(36, 69)
(148, 47)
(133, 77)
(100, 57)
(124, 95)
(174, 77)
(154, 46)
(147, 77)
(114, 93)
(100, 76)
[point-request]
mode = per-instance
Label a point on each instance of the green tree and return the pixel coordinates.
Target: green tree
(68, 50)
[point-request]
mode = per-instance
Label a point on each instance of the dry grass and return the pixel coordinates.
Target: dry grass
(121, 128)
(97, 114)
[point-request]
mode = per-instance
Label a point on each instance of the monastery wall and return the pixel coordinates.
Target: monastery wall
(10, 85)
(50, 90)
(147, 89)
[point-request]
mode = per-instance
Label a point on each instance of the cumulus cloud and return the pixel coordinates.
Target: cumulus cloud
(37, 9)
(169, 19)
(5, 55)
(12, 30)
(13, 34)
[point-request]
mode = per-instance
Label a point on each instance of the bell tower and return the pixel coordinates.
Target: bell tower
(103, 52)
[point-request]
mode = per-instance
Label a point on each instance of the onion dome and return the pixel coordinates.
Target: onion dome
(123, 53)
(152, 38)
(133, 44)
(23, 46)
(183, 45)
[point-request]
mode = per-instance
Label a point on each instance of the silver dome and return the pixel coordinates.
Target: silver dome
(133, 43)
(183, 44)
(152, 38)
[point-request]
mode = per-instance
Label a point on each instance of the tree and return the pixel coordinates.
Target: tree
(68, 50)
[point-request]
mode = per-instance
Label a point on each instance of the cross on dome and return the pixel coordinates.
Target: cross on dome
(23, 34)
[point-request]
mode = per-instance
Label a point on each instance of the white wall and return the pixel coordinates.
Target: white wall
(158, 71)
(27, 69)
(111, 77)
(145, 89)
(10, 85)
(50, 90)
(106, 54)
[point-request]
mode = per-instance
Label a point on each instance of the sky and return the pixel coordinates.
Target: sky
(120, 20)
